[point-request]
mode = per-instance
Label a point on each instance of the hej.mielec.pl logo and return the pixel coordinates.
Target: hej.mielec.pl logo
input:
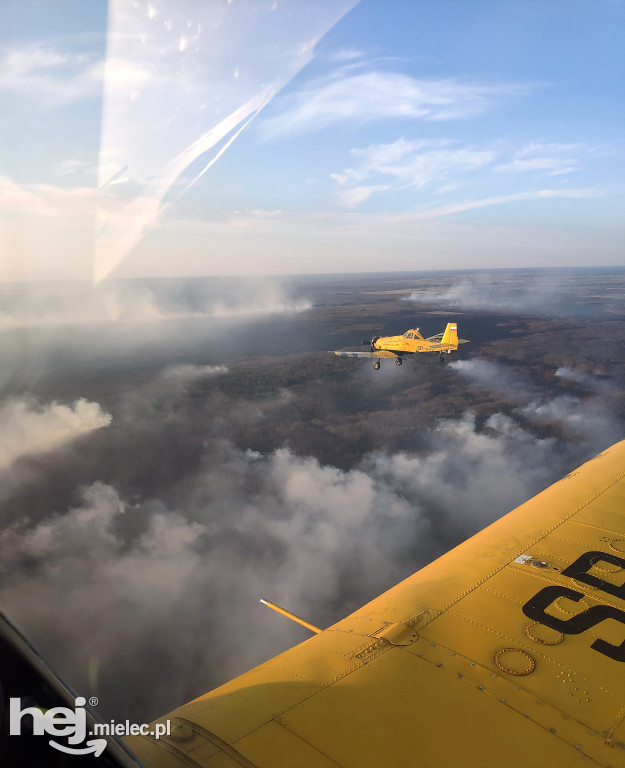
(58, 721)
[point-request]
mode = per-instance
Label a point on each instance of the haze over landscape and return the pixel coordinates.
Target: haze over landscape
(197, 202)
(167, 463)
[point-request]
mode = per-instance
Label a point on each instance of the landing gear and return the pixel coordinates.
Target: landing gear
(398, 361)
(441, 359)
(376, 365)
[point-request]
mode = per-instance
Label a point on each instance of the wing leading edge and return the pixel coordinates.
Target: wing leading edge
(508, 650)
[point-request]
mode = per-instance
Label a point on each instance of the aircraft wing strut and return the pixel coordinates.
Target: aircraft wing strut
(384, 353)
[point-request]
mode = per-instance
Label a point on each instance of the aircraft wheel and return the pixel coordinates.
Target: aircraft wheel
(376, 365)
(398, 361)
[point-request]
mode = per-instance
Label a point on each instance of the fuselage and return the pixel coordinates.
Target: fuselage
(411, 341)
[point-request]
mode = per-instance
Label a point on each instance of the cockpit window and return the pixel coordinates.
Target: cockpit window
(410, 335)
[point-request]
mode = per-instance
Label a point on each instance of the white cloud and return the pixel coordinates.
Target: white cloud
(31, 428)
(383, 95)
(407, 164)
(553, 159)
(356, 195)
(347, 54)
(468, 205)
(417, 163)
(404, 164)
(45, 200)
(446, 166)
(50, 76)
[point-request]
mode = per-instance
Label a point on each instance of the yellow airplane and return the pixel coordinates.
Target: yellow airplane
(408, 344)
(507, 651)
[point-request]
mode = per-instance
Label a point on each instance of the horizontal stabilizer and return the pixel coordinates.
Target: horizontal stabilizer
(449, 337)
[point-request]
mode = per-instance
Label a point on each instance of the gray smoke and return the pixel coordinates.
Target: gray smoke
(505, 380)
(151, 600)
(30, 427)
(139, 530)
(523, 291)
(130, 302)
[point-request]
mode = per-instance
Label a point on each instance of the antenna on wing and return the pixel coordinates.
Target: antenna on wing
(292, 616)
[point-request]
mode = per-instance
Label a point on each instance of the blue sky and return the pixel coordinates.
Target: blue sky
(264, 136)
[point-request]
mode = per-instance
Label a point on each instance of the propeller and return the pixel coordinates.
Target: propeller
(370, 342)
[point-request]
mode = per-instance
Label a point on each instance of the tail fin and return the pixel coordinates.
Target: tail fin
(451, 335)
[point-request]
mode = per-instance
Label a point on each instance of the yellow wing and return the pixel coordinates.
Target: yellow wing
(507, 651)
